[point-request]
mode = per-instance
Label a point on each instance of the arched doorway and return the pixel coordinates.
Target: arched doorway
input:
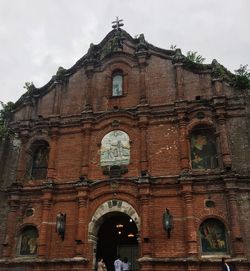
(114, 229)
(117, 236)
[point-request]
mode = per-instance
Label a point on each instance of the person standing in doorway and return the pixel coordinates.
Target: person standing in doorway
(125, 264)
(118, 264)
(101, 265)
(225, 266)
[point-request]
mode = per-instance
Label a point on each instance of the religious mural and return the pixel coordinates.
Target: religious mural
(213, 236)
(115, 149)
(203, 149)
(29, 241)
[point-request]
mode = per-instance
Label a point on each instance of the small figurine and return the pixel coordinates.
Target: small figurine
(167, 222)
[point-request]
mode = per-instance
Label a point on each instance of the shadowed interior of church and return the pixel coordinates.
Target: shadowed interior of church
(117, 236)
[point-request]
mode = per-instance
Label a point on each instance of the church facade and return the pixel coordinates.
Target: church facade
(136, 151)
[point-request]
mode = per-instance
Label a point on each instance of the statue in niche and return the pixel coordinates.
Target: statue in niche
(115, 149)
(60, 224)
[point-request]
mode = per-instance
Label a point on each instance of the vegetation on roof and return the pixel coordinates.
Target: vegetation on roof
(5, 113)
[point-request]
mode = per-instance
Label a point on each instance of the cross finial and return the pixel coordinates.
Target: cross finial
(117, 23)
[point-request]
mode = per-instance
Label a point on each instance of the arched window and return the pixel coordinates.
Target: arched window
(117, 84)
(213, 237)
(40, 156)
(203, 148)
(115, 149)
(28, 241)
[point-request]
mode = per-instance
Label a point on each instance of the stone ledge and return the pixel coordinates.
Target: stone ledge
(206, 259)
(29, 260)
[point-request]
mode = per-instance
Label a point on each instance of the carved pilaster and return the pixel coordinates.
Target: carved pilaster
(143, 123)
(183, 143)
(14, 203)
(89, 71)
(179, 81)
(47, 200)
(22, 161)
(191, 236)
(226, 158)
(52, 155)
(81, 235)
(144, 194)
(142, 59)
(234, 218)
(218, 86)
(86, 136)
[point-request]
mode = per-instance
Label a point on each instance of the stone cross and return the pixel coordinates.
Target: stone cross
(117, 23)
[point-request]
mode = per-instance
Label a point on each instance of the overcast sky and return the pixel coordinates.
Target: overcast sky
(38, 36)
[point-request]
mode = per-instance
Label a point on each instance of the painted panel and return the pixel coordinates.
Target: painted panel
(213, 236)
(203, 150)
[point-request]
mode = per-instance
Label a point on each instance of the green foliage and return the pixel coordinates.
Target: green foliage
(194, 57)
(29, 86)
(242, 78)
(4, 117)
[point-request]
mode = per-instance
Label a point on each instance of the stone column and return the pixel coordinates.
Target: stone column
(52, 155)
(86, 135)
(143, 123)
(237, 240)
(184, 154)
(82, 226)
(11, 224)
(191, 236)
(145, 233)
(43, 234)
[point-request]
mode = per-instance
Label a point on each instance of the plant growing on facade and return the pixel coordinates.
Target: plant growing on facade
(195, 57)
(4, 117)
(242, 78)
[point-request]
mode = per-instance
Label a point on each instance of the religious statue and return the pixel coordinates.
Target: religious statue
(167, 222)
(60, 224)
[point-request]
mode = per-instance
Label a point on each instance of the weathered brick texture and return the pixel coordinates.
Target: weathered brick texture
(164, 99)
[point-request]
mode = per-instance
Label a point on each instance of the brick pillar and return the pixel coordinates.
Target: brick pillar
(52, 155)
(82, 225)
(191, 235)
(219, 104)
(237, 241)
(89, 71)
(143, 122)
(184, 153)
(225, 151)
(85, 149)
(43, 234)
(179, 81)
(142, 59)
(22, 161)
(11, 224)
(145, 234)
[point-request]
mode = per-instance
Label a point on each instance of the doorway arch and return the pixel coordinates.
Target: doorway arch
(114, 212)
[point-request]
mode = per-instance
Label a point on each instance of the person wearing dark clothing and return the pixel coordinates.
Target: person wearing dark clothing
(225, 266)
